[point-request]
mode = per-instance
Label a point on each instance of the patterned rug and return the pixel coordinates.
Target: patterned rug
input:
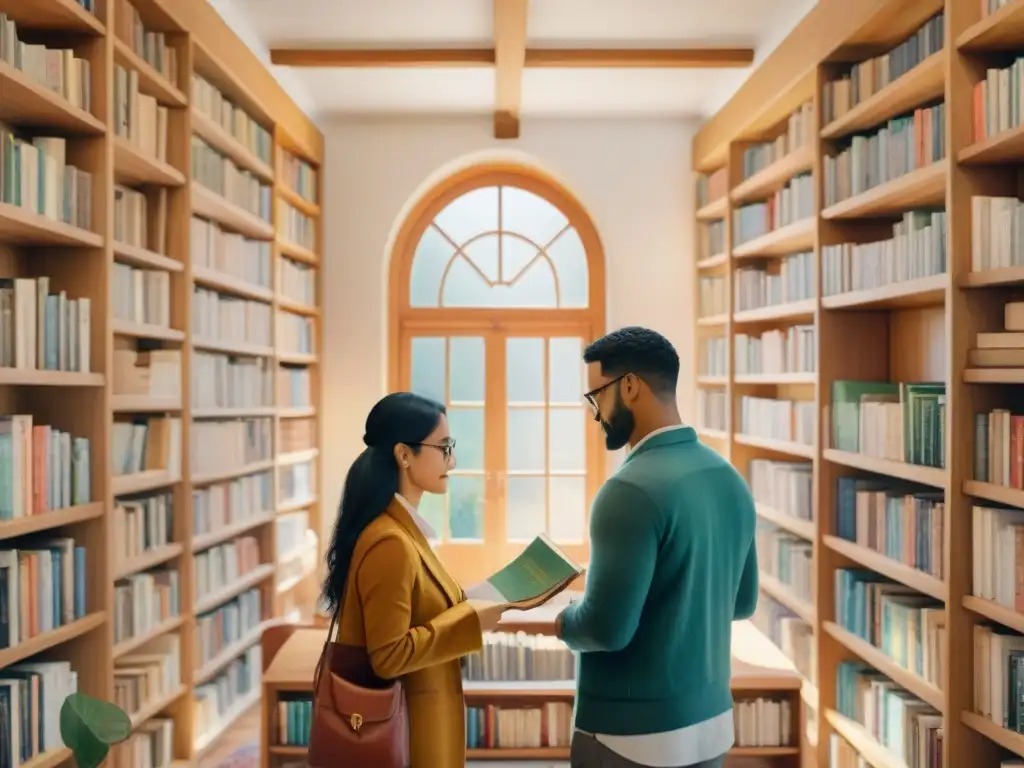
(246, 756)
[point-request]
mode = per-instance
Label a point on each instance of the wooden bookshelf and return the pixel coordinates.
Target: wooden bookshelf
(758, 670)
(123, 240)
(879, 324)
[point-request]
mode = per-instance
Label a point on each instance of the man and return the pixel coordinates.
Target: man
(672, 565)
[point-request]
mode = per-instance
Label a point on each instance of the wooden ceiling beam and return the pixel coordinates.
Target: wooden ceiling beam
(509, 61)
(552, 58)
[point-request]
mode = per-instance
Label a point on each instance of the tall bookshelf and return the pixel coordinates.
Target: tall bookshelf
(159, 343)
(909, 498)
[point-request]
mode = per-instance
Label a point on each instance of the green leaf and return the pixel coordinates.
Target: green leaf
(89, 727)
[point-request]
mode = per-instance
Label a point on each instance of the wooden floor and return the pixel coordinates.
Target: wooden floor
(244, 731)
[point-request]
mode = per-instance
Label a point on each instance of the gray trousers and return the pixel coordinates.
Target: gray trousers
(588, 752)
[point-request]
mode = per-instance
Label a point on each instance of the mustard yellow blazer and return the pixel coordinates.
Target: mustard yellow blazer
(415, 623)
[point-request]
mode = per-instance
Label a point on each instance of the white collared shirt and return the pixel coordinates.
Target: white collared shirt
(425, 528)
(683, 746)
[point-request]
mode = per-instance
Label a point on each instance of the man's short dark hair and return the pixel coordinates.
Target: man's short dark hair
(640, 351)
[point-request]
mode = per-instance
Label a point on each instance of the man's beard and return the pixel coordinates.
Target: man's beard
(618, 427)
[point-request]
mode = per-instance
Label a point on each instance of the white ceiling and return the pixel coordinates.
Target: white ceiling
(757, 24)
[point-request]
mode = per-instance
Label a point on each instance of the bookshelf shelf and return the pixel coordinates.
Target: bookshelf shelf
(51, 759)
(796, 310)
(997, 613)
(1004, 147)
(19, 226)
(782, 593)
(918, 189)
(787, 239)
(779, 446)
(766, 181)
(931, 476)
(802, 528)
(886, 566)
(54, 14)
(923, 83)
(140, 397)
(132, 166)
(999, 31)
(28, 103)
(1004, 737)
(714, 210)
(906, 294)
(869, 750)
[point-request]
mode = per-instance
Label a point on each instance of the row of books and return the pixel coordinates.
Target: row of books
(902, 145)
(918, 248)
(145, 601)
(996, 101)
(757, 285)
(31, 695)
(41, 468)
(291, 536)
(210, 101)
(294, 387)
(296, 281)
(231, 502)
(791, 350)
(225, 696)
(713, 409)
(42, 587)
(783, 486)
(297, 483)
(146, 444)
(141, 295)
(231, 445)
(712, 186)
(224, 564)
(296, 227)
(777, 419)
(42, 330)
(998, 676)
(522, 657)
(797, 133)
(151, 745)
(229, 253)
(139, 118)
(295, 333)
(711, 297)
(149, 674)
(866, 78)
(35, 176)
(223, 381)
(140, 218)
(711, 239)
(237, 185)
(56, 69)
(793, 202)
(225, 318)
(894, 421)
(141, 524)
(897, 519)
(228, 623)
(714, 356)
(295, 435)
(299, 176)
(787, 558)
(790, 634)
(152, 46)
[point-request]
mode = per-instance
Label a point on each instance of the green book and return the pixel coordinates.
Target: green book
(539, 573)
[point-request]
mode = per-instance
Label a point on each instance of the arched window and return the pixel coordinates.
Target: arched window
(497, 284)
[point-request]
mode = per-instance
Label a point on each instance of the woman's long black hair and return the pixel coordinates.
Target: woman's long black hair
(372, 480)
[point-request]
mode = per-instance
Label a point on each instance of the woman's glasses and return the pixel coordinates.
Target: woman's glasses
(447, 448)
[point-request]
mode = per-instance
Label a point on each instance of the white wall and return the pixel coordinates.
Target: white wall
(633, 175)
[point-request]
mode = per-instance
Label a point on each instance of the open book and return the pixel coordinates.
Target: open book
(534, 577)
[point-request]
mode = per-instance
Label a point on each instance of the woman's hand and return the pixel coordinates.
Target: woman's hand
(488, 612)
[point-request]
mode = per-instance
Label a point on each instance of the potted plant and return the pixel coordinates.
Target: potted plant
(89, 727)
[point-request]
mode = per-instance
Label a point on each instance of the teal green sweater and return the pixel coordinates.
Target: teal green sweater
(672, 565)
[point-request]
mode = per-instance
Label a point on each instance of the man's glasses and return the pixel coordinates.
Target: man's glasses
(591, 396)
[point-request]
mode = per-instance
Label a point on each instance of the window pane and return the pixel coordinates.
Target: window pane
(524, 363)
(570, 260)
(432, 255)
(565, 370)
(530, 215)
(433, 509)
(567, 521)
(469, 215)
(484, 255)
(567, 439)
(464, 286)
(428, 358)
(467, 427)
(466, 372)
(534, 290)
(524, 512)
(526, 445)
(516, 255)
(466, 506)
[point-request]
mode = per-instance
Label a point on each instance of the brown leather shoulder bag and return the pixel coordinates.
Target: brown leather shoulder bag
(359, 719)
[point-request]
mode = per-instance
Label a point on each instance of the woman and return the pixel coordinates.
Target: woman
(395, 596)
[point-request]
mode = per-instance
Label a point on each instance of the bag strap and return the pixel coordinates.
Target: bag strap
(335, 619)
